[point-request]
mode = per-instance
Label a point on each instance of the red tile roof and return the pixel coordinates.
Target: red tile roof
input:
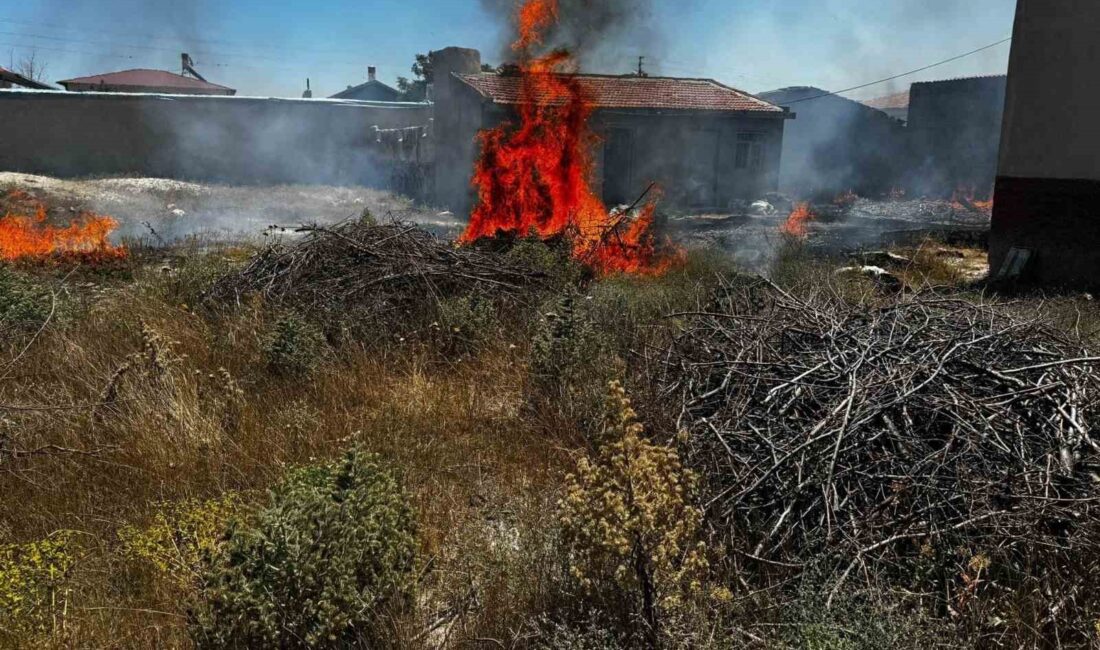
(897, 100)
(150, 81)
(631, 92)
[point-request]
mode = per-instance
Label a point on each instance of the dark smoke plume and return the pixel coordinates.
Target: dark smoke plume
(604, 35)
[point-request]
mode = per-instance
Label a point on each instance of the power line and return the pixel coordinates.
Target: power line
(296, 67)
(200, 53)
(186, 39)
(904, 74)
(58, 49)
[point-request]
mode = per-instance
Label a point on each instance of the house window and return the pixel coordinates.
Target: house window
(750, 151)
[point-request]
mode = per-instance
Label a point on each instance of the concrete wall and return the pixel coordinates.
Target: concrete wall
(1048, 184)
(836, 144)
(457, 119)
(691, 156)
(223, 139)
(955, 134)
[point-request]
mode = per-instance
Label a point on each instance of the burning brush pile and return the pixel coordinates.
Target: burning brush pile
(533, 179)
(534, 176)
(932, 444)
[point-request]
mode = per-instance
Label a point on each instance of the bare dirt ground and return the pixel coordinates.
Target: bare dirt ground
(175, 209)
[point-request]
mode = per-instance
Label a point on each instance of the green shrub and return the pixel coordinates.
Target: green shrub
(551, 259)
(572, 361)
(321, 566)
(858, 623)
(569, 345)
(193, 272)
(23, 304)
(634, 311)
(178, 539)
(35, 587)
(465, 322)
(294, 347)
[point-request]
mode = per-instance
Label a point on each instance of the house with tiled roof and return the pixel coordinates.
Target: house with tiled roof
(145, 81)
(10, 79)
(704, 143)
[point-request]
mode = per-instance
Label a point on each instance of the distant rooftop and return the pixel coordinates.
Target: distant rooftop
(19, 80)
(965, 80)
(896, 101)
(803, 96)
(633, 92)
(144, 80)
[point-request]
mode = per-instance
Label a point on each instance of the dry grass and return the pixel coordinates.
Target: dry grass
(137, 400)
(168, 428)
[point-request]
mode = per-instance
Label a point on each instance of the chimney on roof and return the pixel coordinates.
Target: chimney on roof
(372, 73)
(189, 67)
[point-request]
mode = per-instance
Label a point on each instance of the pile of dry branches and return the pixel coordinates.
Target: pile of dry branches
(927, 432)
(392, 268)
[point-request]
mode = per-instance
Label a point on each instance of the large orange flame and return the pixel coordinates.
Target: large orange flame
(32, 238)
(796, 224)
(535, 177)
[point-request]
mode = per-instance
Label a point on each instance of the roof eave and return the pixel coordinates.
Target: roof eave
(776, 114)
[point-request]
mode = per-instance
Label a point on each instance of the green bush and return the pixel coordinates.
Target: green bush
(294, 347)
(572, 359)
(858, 623)
(178, 539)
(466, 322)
(23, 304)
(635, 311)
(35, 587)
(633, 532)
(553, 260)
(321, 567)
(191, 273)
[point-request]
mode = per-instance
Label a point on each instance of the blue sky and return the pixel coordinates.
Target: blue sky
(269, 47)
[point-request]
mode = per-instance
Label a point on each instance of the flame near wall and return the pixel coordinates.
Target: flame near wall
(535, 176)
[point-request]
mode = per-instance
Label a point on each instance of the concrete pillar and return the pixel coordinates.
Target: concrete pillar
(457, 120)
(1048, 184)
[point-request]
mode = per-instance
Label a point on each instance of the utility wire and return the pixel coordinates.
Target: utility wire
(67, 51)
(904, 74)
(139, 57)
(295, 67)
(152, 48)
(183, 38)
